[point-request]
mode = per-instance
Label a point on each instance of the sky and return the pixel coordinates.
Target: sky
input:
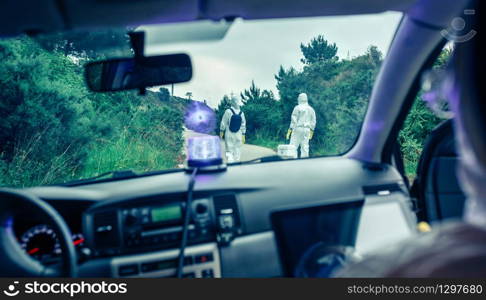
(255, 50)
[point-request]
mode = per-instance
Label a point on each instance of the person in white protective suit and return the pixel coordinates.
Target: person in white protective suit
(453, 249)
(302, 125)
(233, 129)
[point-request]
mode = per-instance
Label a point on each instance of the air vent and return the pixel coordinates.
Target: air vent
(226, 204)
(382, 189)
(106, 229)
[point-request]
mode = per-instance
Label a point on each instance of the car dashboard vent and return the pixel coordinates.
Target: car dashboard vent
(228, 218)
(226, 204)
(106, 229)
(382, 189)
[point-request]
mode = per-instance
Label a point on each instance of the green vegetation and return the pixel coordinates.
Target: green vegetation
(52, 129)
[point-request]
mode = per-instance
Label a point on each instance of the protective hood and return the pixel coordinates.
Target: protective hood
(302, 99)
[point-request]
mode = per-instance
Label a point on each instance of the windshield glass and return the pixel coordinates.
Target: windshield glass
(293, 87)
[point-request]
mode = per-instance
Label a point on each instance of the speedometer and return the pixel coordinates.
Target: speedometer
(41, 243)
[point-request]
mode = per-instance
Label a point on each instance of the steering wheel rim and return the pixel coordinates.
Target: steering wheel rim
(15, 262)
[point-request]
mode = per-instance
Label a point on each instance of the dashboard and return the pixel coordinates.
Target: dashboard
(132, 228)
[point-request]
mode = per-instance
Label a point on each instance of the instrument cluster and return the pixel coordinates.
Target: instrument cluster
(41, 243)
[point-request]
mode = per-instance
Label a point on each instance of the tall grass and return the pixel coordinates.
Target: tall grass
(25, 170)
(128, 150)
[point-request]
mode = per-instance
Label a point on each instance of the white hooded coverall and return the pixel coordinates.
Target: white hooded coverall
(303, 121)
(233, 140)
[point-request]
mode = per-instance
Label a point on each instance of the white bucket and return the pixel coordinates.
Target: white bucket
(287, 151)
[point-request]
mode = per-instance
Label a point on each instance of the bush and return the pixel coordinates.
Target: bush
(52, 129)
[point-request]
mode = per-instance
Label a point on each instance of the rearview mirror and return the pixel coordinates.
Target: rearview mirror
(138, 73)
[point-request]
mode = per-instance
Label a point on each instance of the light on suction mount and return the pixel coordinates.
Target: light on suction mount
(204, 153)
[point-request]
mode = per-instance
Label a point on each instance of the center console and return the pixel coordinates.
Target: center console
(143, 236)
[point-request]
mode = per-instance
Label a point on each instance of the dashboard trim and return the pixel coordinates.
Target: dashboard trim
(198, 269)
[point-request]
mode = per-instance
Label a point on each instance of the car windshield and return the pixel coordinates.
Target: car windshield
(295, 88)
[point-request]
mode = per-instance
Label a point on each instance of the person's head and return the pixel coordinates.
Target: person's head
(302, 98)
(235, 102)
(467, 101)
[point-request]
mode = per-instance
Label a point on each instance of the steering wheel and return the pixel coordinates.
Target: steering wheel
(13, 259)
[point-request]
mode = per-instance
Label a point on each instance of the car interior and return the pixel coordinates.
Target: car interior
(251, 220)
(440, 196)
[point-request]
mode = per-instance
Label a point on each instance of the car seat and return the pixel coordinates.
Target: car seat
(436, 187)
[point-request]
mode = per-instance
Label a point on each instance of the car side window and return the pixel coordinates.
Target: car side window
(419, 124)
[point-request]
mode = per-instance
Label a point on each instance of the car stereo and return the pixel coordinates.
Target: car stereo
(149, 225)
